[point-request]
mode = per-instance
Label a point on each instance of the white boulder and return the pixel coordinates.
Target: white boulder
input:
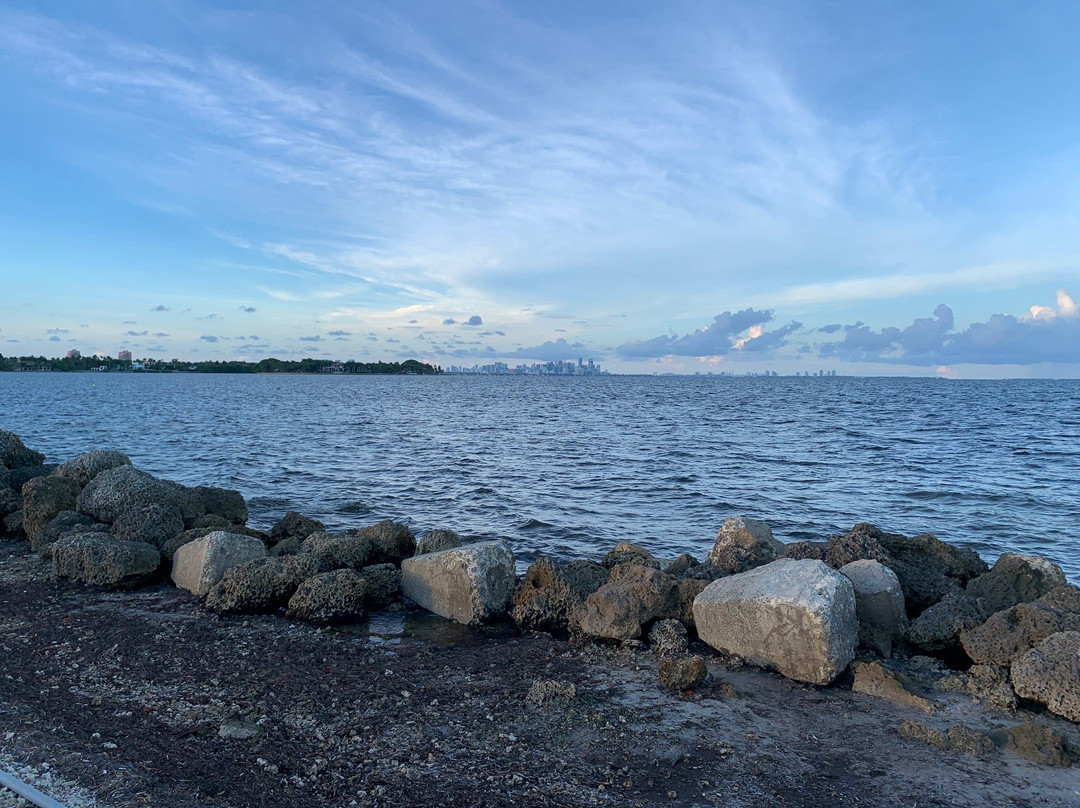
(468, 584)
(879, 604)
(201, 563)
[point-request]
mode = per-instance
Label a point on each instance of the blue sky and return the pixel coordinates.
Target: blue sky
(664, 187)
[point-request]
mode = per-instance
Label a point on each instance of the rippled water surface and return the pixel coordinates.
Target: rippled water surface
(568, 467)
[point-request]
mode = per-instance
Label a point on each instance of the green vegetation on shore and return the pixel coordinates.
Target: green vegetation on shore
(307, 365)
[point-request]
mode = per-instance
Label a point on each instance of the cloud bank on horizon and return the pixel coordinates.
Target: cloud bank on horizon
(663, 187)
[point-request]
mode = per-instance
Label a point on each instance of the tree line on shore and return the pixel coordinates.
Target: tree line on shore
(271, 365)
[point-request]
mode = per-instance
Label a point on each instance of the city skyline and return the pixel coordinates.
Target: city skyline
(683, 188)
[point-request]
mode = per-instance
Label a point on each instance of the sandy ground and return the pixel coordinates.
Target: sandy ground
(123, 698)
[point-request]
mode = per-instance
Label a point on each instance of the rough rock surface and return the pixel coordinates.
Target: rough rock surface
(633, 596)
(879, 604)
(88, 465)
(1012, 632)
(957, 738)
(939, 627)
(24, 474)
(1050, 673)
(338, 552)
(1015, 579)
(391, 542)
(200, 564)
(1040, 744)
(13, 524)
(549, 593)
(100, 560)
(873, 679)
(855, 545)
(682, 673)
(468, 584)
(15, 455)
(795, 616)
(806, 550)
(62, 524)
(258, 585)
(1064, 598)
(627, 553)
(928, 568)
(223, 502)
(329, 597)
(550, 693)
(743, 544)
(116, 491)
(681, 565)
(383, 585)
(43, 499)
(668, 638)
(10, 502)
(294, 525)
(152, 524)
(435, 541)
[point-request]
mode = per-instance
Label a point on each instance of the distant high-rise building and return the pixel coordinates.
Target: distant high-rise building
(124, 356)
(74, 354)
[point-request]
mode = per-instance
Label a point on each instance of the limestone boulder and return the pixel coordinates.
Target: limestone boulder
(928, 568)
(199, 564)
(391, 542)
(87, 466)
(938, 629)
(633, 596)
(338, 552)
(260, 585)
(329, 597)
(222, 502)
(44, 498)
(627, 553)
(1064, 598)
(435, 541)
(99, 559)
(5, 477)
(681, 566)
(116, 491)
(1012, 632)
(806, 550)
(15, 455)
(63, 524)
(874, 679)
(795, 616)
(13, 525)
(682, 673)
(879, 604)
(153, 524)
(383, 583)
(468, 584)
(549, 593)
(296, 526)
(855, 545)
(24, 474)
(1015, 579)
(1050, 674)
(668, 638)
(743, 544)
(10, 502)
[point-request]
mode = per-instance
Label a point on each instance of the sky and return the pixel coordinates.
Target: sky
(881, 188)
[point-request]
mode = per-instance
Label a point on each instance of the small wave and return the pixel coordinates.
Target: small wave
(532, 524)
(355, 507)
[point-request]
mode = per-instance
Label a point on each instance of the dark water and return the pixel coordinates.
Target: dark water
(569, 467)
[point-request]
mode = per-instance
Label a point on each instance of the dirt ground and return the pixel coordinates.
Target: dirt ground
(127, 698)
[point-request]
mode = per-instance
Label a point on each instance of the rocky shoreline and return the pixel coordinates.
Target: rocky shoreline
(159, 651)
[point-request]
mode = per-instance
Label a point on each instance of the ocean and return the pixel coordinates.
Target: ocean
(570, 466)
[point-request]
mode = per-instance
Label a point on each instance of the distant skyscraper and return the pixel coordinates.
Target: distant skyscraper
(124, 356)
(74, 354)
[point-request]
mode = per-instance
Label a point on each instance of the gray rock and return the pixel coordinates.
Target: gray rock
(1015, 579)
(100, 560)
(10, 502)
(295, 526)
(299, 568)
(681, 565)
(61, 525)
(1012, 632)
(13, 524)
(795, 616)
(688, 590)
(89, 465)
(5, 477)
(633, 596)
(855, 545)
(806, 550)
(879, 604)
(116, 491)
(337, 552)
(549, 593)
(683, 673)
(211, 521)
(43, 499)
(391, 542)
(223, 502)
(200, 564)
(668, 638)
(15, 455)
(235, 729)
(435, 541)
(21, 476)
(1040, 744)
(257, 586)
(1063, 598)
(551, 693)
(1050, 674)
(153, 524)
(743, 544)
(874, 679)
(627, 553)
(383, 585)
(957, 738)
(329, 597)
(939, 627)
(468, 584)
